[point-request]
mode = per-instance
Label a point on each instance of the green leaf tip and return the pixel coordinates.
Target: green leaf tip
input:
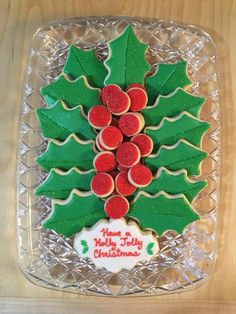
(126, 62)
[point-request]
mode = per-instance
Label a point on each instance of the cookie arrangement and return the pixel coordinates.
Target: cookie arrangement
(123, 143)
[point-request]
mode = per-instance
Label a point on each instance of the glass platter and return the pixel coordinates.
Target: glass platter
(47, 258)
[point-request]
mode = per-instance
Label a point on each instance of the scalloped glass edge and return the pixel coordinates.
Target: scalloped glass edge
(48, 259)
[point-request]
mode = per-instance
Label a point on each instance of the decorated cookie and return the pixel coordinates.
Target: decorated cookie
(144, 143)
(118, 103)
(116, 206)
(102, 184)
(110, 137)
(116, 245)
(124, 138)
(140, 176)
(138, 98)
(128, 154)
(107, 91)
(59, 121)
(105, 162)
(123, 185)
(130, 124)
(99, 117)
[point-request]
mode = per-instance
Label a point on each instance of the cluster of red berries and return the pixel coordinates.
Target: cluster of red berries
(118, 165)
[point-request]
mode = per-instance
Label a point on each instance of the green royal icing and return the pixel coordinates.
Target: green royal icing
(84, 62)
(73, 93)
(126, 63)
(58, 122)
(171, 106)
(162, 212)
(66, 155)
(174, 183)
(182, 155)
(79, 211)
(58, 184)
(166, 79)
(171, 130)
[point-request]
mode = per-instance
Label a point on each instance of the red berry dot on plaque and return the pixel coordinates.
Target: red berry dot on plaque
(105, 162)
(116, 206)
(110, 137)
(138, 98)
(107, 91)
(118, 103)
(102, 184)
(144, 143)
(140, 176)
(99, 117)
(130, 124)
(128, 154)
(123, 186)
(135, 85)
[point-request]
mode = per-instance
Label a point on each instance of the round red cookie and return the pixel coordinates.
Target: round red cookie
(110, 137)
(105, 162)
(99, 117)
(107, 91)
(138, 98)
(135, 85)
(116, 206)
(123, 186)
(130, 124)
(102, 184)
(144, 143)
(99, 145)
(128, 154)
(118, 103)
(140, 176)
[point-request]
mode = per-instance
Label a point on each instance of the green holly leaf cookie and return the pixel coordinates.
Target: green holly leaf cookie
(72, 153)
(78, 211)
(58, 122)
(162, 212)
(171, 130)
(182, 155)
(59, 184)
(166, 79)
(73, 93)
(171, 106)
(176, 182)
(84, 62)
(126, 63)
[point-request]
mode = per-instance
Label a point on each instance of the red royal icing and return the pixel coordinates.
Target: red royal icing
(138, 98)
(99, 145)
(140, 176)
(116, 206)
(107, 91)
(99, 117)
(144, 143)
(128, 154)
(102, 184)
(110, 137)
(105, 162)
(118, 103)
(123, 186)
(130, 124)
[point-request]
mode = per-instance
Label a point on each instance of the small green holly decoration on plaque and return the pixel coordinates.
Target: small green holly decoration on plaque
(92, 107)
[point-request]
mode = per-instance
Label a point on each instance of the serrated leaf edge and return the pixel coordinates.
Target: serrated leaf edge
(174, 119)
(110, 53)
(64, 173)
(171, 95)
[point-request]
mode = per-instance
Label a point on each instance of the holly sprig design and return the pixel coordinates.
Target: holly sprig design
(171, 120)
